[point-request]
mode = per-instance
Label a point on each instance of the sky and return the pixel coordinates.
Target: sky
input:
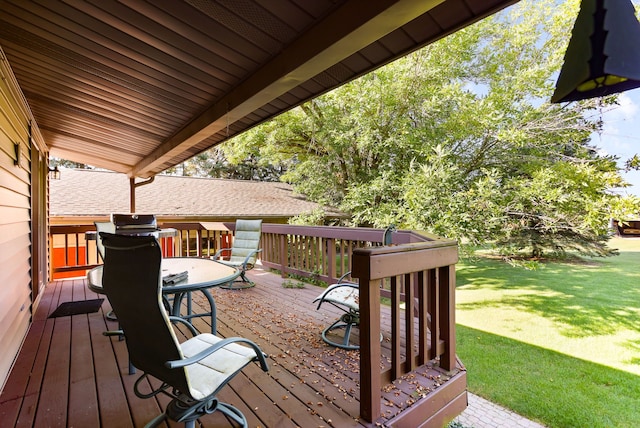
(621, 135)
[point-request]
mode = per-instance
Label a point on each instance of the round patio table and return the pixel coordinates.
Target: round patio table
(201, 275)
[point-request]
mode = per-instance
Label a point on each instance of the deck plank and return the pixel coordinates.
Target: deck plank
(266, 394)
(112, 398)
(36, 374)
(23, 372)
(52, 406)
(83, 389)
(283, 345)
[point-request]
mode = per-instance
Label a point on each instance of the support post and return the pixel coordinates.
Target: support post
(132, 191)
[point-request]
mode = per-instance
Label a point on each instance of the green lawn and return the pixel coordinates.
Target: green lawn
(560, 344)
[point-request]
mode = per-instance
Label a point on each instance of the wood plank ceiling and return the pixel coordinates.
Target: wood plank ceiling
(139, 86)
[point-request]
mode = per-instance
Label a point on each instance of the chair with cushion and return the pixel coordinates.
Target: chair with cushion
(192, 372)
(243, 252)
(346, 297)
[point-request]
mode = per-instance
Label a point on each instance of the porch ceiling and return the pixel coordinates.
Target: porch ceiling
(139, 86)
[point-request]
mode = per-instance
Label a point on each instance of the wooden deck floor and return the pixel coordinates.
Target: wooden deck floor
(69, 374)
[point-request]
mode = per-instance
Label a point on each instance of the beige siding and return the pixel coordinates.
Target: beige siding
(16, 246)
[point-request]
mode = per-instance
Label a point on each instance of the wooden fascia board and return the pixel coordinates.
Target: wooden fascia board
(89, 159)
(350, 28)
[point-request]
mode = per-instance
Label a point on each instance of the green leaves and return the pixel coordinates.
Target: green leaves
(457, 139)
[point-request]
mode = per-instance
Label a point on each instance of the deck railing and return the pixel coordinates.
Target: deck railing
(420, 277)
(73, 251)
(315, 252)
(321, 252)
(416, 272)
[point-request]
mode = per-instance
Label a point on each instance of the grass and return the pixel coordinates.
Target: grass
(560, 344)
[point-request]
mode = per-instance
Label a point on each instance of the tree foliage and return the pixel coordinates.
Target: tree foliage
(458, 139)
(214, 163)
(633, 163)
(58, 162)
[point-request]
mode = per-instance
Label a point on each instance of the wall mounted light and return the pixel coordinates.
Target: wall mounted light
(54, 173)
(603, 56)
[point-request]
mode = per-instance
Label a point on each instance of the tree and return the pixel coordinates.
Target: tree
(213, 163)
(459, 139)
(633, 163)
(53, 162)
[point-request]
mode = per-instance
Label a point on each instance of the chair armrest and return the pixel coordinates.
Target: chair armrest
(246, 259)
(341, 279)
(219, 252)
(175, 319)
(261, 356)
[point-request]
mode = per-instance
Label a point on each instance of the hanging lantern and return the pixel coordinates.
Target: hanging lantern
(603, 56)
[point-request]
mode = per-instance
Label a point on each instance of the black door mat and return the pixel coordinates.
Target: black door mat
(77, 308)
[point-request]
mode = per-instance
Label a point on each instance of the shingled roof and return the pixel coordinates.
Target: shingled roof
(99, 193)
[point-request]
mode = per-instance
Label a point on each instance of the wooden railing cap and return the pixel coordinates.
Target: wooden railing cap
(403, 248)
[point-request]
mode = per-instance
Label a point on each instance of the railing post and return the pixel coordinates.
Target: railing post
(370, 351)
(402, 266)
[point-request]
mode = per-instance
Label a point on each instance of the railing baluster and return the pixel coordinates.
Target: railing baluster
(409, 321)
(77, 253)
(283, 255)
(396, 349)
(331, 258)
(447, 285)
(434, 310)
(423, 317)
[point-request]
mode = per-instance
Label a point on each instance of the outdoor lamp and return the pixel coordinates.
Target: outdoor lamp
(603, 56)
(54, 173)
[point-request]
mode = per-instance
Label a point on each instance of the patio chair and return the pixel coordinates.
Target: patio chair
(344, 296)
(108, 227)
(145, 225)
(192, 372)
(244, 251)
(103, 226)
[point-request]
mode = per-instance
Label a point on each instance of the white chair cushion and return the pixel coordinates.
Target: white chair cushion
(209, 373)
(342, 295)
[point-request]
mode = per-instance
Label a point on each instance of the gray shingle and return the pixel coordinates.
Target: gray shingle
(97, 193)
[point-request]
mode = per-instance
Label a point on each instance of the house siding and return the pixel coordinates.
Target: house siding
(18, 209)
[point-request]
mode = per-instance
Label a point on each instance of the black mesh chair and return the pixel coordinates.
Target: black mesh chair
(191, 372)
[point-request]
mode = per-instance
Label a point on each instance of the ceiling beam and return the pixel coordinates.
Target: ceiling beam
(347, 30)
